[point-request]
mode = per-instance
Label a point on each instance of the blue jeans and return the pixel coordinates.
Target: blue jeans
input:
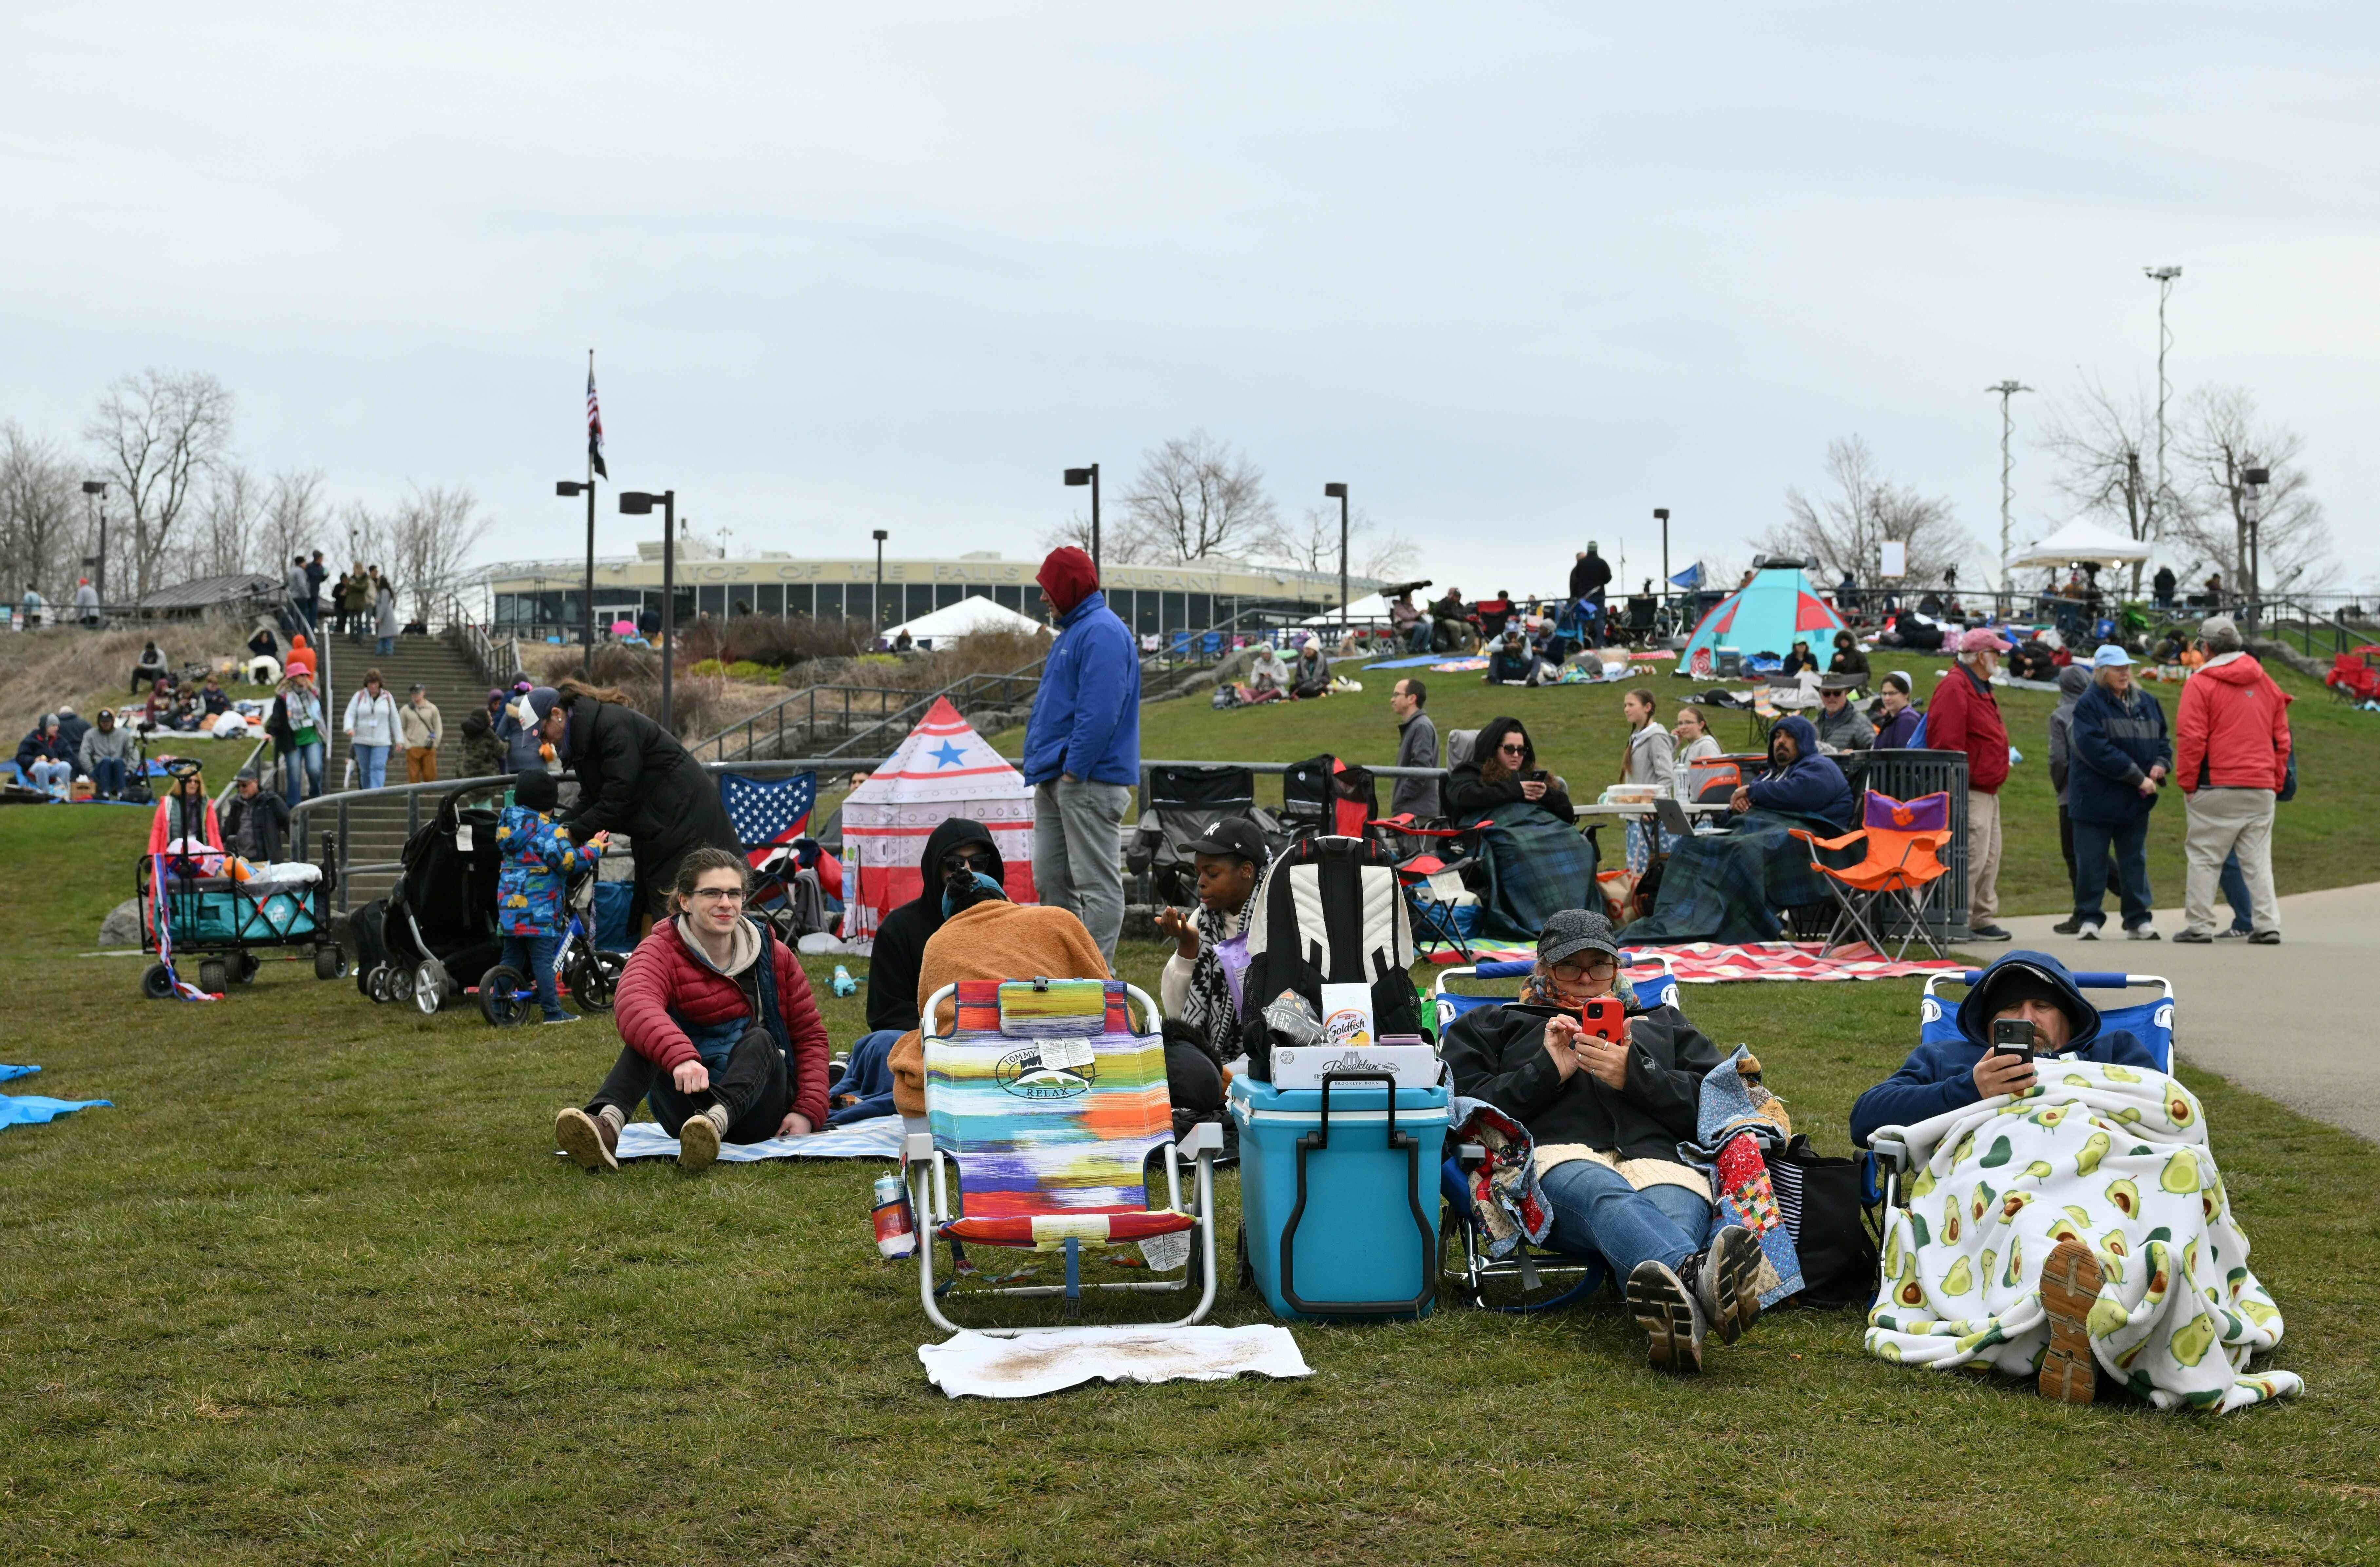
(1417, 639)
(386, 645)
(534, 957)
(2235, 893)
(2093, 842)
(301, 773)
(1597, 1211)
(107, 777)
(371, 766)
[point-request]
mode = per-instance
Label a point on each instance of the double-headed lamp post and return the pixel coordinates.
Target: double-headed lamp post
(641, 502)
(99, 487)
(1090, 476)
(1339, 492)
(567, 487)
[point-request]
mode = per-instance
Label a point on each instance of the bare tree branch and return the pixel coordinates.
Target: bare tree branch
(227, 539)
(2105, 450)
(1196, 497)
(1846, 526)
(431, 536)
(2222, 437)
(39, 514)
(158, 433)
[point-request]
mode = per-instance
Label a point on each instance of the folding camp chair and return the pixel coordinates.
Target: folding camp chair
(1046, 1105)
(1901, 864)
(2150, 1021)
(1532, 1266)
(1324, 795)
(1182, 802)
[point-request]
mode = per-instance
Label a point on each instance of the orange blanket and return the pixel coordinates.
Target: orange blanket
(991, 940)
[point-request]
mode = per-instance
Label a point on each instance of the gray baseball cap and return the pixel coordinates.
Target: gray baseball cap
(1574, 931)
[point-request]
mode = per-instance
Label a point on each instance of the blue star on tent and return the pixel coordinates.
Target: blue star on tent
(948, 755)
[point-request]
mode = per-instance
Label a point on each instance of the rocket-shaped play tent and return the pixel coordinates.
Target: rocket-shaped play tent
(1767, 614)
(943, 769)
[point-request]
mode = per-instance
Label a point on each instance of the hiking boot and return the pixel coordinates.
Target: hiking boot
(1671, 1316)
(2068, 926)
(2144, 932)
(2264, 939)
(2089, 930)
(590, 1140)
(2193, 938)
(698, 1142)
(1726, 1283)
(2070, 1286)
(1990, 933)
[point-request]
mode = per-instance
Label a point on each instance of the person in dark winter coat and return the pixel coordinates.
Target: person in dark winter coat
(1849, 660)
(1590, 575)
(2072, 681)
(256, 819)
(1953, 1074)
(2121, 757)
(1502, 760)
(1799, 780)
(633, 778)
(1607, 1118)
(957, 847)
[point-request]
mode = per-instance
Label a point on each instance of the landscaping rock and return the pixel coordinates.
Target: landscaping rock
(122, 926)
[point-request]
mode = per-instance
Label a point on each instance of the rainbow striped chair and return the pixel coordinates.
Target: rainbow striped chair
(1045, 1105)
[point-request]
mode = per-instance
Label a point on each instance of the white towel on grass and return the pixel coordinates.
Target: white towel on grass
(877, 1137)
(979, 1366)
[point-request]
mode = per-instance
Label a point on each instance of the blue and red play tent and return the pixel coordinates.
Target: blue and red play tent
(1767, 614)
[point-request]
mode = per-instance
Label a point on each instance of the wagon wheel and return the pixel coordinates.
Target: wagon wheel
(329, 961)
(157, 982)
(244, 966)
(214, 976)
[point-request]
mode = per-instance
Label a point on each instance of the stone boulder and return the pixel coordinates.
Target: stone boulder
(122, 926)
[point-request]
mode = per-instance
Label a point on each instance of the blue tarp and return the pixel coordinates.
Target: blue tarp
(33, 1110)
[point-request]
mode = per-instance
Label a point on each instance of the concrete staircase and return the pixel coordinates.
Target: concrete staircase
(377, 831)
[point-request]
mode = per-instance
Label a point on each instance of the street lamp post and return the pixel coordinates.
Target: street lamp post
(1661, 515)
(99, 487)
(1339, 492)
(641, 502)
(1090, 476)
(875, 605)
(568, 487)
(2255, 479)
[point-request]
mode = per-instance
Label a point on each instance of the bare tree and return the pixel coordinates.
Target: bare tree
(2105, 448)
(159, 433)
(227, 539)
(39, 514)
(1313, 544)
(2222, 437)
(1846, 527)
(1196, 497)
(1118, 546)
(367, 540)
(431, 536)
(296, 514)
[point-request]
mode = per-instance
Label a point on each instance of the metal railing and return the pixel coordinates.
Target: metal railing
(800, 711)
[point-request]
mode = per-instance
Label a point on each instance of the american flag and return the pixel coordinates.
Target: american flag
(594, 421)
(767, 812)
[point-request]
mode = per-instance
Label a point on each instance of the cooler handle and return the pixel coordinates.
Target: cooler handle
(1320, 1138)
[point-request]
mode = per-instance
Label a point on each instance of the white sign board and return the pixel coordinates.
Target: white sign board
(1896, 557)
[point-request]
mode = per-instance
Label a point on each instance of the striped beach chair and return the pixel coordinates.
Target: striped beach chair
(1044, 1105)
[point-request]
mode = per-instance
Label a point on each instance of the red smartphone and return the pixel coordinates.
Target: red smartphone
(1605, 1018)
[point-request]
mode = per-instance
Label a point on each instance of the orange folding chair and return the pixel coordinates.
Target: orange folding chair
(1902, 845)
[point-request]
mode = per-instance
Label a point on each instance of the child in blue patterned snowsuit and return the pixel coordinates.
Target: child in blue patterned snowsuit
(538, 859)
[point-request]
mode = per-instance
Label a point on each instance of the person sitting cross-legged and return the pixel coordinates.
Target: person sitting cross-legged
(719, 1030)
(1606, 1120)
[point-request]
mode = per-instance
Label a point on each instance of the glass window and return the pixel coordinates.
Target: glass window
(1148, 603)
(711, 601)
(769, 597)
(858, 600)
(1120, 600)
(947, 593)
(503, 609)
(830, 600)
(1176, 610)
(1202, 611)
(1029, 600)
(549, 608)
(797, 598)
(919, 599)
(1008, 597)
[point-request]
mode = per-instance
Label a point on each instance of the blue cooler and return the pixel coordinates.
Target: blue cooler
(1339, 1195)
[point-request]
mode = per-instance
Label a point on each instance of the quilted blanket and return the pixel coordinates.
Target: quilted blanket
(2115, 1158)
(1537, 864)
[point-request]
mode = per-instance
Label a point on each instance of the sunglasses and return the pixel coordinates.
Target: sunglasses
(1510, 749)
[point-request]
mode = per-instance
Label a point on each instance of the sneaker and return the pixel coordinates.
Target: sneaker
(2090, 931)
(2266, 939)
(697, 1143)
(1725, 1282)
(2193, 938)
(2232, 934)
(1672, 1319)
(565, 1018)
(2069, 926)
(2069, 1287)
(1990, 933)
(2141, 933)
(591, 1140)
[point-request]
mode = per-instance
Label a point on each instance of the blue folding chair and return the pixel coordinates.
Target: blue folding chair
(1533, 1266)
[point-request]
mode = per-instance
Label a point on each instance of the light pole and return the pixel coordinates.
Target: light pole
(2006, 390)
(1090, 476)
(1339, 492)
(99, 487)
(2255, 479)
(565, 488)
(2163, 277)
(1661, 515)
(875, 605)
(641, 502)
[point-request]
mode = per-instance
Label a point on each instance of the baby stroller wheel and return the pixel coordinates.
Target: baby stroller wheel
(214, 976)
(397, 985)
(500, 1001)
(432, 988)
(375, 982)
(157, 983)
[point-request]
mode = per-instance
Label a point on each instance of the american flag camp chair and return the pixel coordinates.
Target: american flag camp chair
(1900, 844)
(769, 815)
(1044, 1105)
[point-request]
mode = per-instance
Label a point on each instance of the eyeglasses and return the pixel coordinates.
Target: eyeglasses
(1571, 973)
(717, 894)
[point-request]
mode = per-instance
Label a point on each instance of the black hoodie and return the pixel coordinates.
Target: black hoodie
(899, 954)
(1469, 795)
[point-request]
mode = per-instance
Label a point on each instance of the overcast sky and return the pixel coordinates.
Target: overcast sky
(1516, 274)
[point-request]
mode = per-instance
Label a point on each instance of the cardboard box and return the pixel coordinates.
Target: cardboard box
(1414, 1065)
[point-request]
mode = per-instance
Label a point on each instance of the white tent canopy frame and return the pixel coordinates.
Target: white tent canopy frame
(2079, 541)
(967, 616)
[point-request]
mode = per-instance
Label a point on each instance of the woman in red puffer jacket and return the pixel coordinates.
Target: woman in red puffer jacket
(694, 1009)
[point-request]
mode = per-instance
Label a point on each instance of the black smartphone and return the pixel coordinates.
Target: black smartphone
(1538, 775)
(2012, 1035)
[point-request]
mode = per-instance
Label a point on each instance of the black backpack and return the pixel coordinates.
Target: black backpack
(1330, 910)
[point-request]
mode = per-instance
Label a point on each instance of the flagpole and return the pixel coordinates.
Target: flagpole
(587, 606)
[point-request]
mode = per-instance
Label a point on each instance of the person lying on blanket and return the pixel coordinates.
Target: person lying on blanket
(1799, 780)
(2066, 1215)
(717, 1026)
(1606, 1120)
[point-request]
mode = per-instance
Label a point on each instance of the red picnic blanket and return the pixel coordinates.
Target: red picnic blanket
(1713, 963)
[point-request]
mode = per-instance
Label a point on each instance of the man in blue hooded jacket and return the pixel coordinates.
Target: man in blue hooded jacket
(1953, 1074)
(1799, 779)
(1082, 750)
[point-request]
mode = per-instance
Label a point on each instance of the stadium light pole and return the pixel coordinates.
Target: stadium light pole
(641, 502)
(876, 606)
(99, 487)
(1339, 492)
(2004, 390)
(2164, 278)
(567, 487)
(2255, 479)
(1076, 477)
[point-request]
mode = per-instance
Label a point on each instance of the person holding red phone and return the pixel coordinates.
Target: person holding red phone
(1607, 1089)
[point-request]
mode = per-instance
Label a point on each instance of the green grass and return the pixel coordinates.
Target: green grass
(316, 1290)
(2324, 837)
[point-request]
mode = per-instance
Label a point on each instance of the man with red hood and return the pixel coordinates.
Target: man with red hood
(2232, 760)
(1082, 749)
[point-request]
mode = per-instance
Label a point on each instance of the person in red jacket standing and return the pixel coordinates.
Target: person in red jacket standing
(2231, 760)
(721, 1031)
(1965, 716)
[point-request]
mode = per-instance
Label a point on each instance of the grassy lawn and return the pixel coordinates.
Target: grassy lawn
(2325, 838)
(316, 1290)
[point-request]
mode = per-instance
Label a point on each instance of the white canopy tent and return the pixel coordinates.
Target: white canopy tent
(967, 616)
(1372, 606)
(2079, 541)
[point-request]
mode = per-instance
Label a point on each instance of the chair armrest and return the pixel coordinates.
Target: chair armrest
(917, 1148)
(1205, 1141)
(1470, 1153)
(1890, 1145)
(1846, 841)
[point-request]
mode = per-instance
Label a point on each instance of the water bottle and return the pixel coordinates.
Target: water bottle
(896, 1234)
(844, 985)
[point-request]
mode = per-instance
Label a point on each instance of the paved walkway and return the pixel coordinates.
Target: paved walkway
(2298, 1023)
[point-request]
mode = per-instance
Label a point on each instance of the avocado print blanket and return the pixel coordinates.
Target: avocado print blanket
(2111, 1156)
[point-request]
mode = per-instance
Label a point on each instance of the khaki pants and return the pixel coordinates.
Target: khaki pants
(2222, 821)
(421, 764)
(1982, 857)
